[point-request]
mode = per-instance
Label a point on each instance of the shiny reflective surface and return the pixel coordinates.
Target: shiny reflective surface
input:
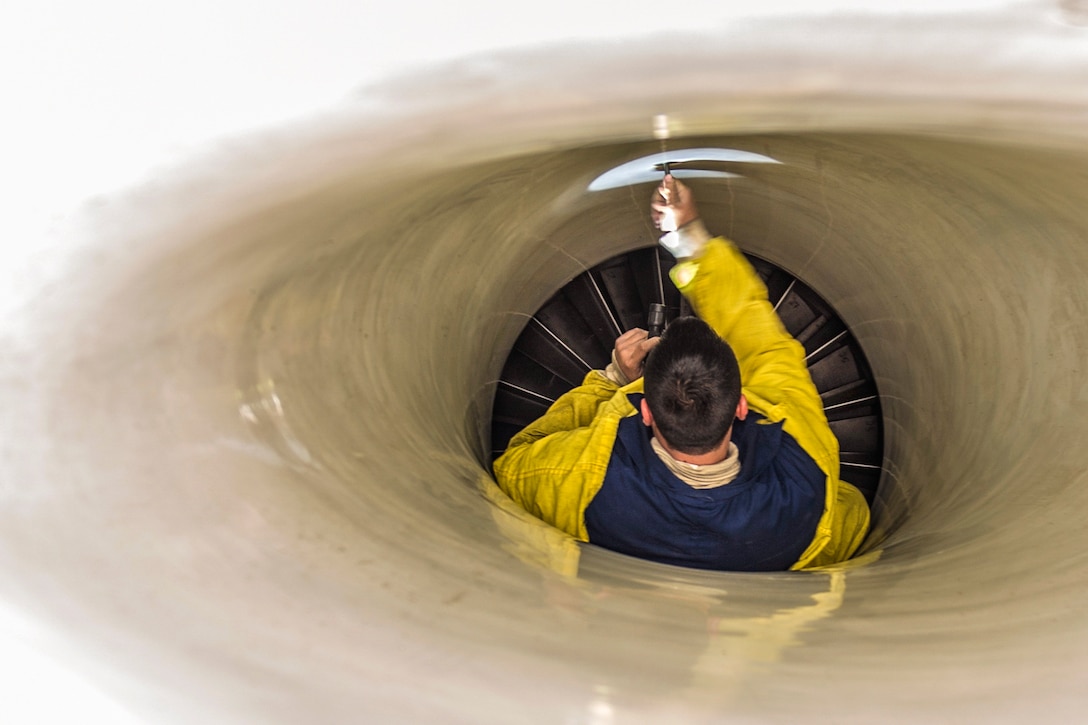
(683, 163)
(245, 434)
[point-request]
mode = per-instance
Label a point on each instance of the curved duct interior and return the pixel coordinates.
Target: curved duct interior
(253, 416)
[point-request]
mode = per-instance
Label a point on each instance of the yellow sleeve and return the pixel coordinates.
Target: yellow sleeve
(726, 292)
(574, 409)
(556, 465)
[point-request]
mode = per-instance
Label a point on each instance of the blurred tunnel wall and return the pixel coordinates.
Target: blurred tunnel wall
(245, 447)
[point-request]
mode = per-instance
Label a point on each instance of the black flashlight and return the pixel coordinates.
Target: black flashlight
(655, 320)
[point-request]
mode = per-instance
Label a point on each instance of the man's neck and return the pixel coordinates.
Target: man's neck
(719, 454)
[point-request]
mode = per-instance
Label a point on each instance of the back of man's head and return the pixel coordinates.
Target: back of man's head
(692, 385)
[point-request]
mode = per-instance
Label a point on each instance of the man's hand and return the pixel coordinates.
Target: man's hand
(672, 208)
(672, 205)
(632, 347)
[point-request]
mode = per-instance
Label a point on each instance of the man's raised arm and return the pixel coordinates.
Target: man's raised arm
(725, 291)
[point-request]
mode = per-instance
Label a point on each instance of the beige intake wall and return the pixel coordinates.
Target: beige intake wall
(245, 462)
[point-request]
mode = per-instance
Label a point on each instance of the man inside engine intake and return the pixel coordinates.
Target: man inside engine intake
(706, 447)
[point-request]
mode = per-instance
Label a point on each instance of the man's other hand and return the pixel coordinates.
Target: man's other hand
(632, 347)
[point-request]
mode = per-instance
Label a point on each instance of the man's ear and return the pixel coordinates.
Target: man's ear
(742, 407)
(647, 417)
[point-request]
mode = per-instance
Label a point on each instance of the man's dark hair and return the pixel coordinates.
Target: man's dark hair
(692, 385)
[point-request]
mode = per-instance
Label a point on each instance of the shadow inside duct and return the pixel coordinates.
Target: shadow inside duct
(574, 331)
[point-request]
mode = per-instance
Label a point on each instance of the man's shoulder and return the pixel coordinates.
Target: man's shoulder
(768, 451)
